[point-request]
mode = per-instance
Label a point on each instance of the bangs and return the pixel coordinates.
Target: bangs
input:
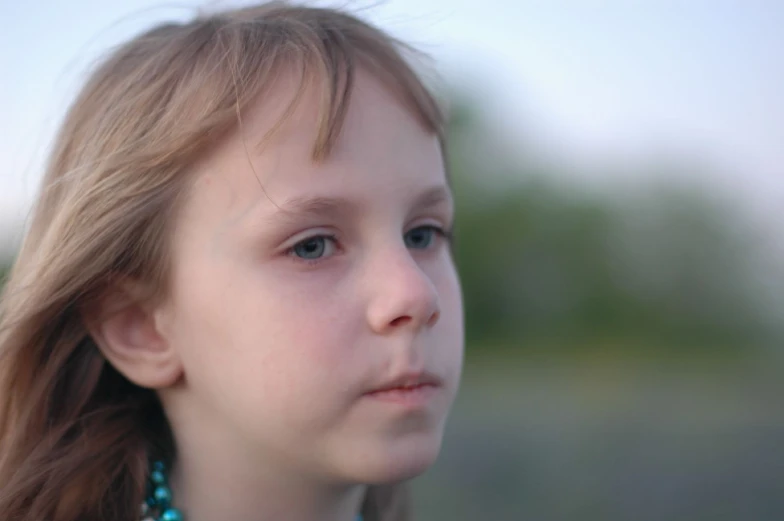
(250, 50)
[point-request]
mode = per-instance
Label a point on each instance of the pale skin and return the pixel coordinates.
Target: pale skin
(273, 332)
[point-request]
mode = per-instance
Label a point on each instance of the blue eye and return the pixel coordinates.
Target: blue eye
(312, 248)
(422, 237)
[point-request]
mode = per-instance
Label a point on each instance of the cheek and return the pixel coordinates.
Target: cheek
(444, 277)
(448, 285)
(274, 340)
(450, 328)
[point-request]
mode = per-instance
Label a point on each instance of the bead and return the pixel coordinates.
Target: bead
(158, 477)
(171, 514)
(162, 496)
(159, 466)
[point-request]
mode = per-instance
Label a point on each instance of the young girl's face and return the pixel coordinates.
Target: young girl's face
(298, 287)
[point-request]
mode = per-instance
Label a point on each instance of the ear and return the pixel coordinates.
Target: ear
(128, 333)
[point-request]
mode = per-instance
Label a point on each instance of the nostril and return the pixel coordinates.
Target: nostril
(399, 321)
(434, 318)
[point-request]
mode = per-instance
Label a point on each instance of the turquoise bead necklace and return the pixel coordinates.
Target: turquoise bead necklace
(157, 505)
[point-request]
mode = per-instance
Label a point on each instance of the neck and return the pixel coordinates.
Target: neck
(220, 476)
(216, 487)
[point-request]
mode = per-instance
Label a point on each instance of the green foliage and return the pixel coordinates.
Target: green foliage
(541, 265)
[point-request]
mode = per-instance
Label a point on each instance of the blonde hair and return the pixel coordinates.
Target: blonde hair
(75, 436)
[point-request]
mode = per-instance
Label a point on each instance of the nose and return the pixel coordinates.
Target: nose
(403, 295)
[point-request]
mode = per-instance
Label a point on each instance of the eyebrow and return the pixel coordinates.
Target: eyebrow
(321, 206)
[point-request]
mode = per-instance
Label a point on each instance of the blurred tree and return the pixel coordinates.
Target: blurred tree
(541, 265)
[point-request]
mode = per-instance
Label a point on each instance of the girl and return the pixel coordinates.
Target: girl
(239, 270)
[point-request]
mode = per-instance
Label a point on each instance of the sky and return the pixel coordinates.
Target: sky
(583, 79)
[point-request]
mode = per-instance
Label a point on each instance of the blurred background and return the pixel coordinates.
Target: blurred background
(619, 171)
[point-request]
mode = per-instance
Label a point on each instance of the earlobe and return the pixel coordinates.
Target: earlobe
(127, 333)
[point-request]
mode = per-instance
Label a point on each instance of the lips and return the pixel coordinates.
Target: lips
(409, 381)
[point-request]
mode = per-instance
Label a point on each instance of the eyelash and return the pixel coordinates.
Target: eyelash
(442, 233)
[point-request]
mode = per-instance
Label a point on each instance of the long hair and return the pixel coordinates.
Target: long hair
(75, 435)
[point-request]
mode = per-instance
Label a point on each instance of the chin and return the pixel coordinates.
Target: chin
(398, 460)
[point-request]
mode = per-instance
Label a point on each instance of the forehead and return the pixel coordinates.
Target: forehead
(381, 148)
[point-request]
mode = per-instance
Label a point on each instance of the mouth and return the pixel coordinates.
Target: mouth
(410, 381)
(413, 389)
(408, 396)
